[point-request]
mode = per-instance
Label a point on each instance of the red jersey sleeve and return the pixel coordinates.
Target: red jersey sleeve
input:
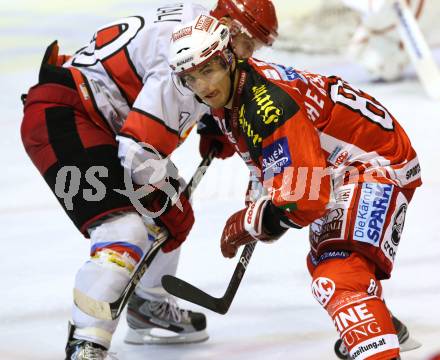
(294, 170)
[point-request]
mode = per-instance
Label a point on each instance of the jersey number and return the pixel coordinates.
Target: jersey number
(108, 41)
(355, 100)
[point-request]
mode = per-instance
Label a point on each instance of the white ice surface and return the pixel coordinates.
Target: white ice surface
(274, 316)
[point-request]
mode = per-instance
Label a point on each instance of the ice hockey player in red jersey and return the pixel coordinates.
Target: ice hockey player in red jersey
(110, 110)
(328, 156)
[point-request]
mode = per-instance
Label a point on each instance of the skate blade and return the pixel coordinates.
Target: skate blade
(152, 337)
(409, 344)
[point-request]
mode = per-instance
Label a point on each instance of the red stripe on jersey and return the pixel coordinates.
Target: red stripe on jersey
(121, 70)
(107, 35)
(119, 66)
(150, 130)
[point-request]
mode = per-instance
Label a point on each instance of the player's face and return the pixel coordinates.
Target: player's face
(211, 82)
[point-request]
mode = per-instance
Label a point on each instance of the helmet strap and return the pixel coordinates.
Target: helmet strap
(231, 57)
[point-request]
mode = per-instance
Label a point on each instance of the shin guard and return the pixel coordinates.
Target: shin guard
(349, 291)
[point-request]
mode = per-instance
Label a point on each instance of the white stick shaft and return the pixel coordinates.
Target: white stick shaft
(418, 49)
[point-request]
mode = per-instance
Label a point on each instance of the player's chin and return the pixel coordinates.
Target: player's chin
(215, 102)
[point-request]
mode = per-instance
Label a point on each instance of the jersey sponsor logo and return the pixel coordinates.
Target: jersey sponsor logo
(276, 157)
(271, 74)
(413, 172)
(248, 128)
(260, 115)
(353, 316)
(266, 109)
(84, 91)
(391, 242)
(334, 153)
(337, 254)
(371, 212)
(368, 348)
(398, 223)
(342, 157)
(338, 156)
(288, 73)
(186, 31)
(332, 225)
(323, 289)
(389, 250)
(328, 227)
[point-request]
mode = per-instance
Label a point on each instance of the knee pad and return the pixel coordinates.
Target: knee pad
(349, 291)
(119, 242)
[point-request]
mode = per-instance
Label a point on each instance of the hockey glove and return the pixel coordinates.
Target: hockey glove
(246, 226)
(177, 221)
(212, 137)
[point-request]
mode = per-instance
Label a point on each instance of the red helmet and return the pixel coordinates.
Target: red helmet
(257, 16)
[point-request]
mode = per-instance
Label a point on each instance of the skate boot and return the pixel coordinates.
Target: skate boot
(162, 322)
(405, 341)
(77, 349)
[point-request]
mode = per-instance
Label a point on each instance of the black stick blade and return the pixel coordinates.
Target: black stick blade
(188, 292)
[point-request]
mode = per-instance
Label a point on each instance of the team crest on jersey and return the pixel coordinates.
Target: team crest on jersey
(276, 157)
(323, 289)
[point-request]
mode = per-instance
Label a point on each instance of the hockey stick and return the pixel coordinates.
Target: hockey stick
(418, 49)
(186, 291)
(111, 310)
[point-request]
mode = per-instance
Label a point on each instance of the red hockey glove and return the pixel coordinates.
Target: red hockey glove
(212, 137)
(178, 222)
(246, 226)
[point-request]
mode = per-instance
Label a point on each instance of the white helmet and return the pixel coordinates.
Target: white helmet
(195, 43)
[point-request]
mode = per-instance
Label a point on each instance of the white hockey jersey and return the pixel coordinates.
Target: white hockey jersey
(126, 83)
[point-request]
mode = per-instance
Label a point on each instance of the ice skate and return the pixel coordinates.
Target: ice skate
(406, 342)
(77, 349)
(163, 322)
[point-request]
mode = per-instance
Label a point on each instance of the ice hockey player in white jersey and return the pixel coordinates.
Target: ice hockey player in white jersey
(113, 109)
